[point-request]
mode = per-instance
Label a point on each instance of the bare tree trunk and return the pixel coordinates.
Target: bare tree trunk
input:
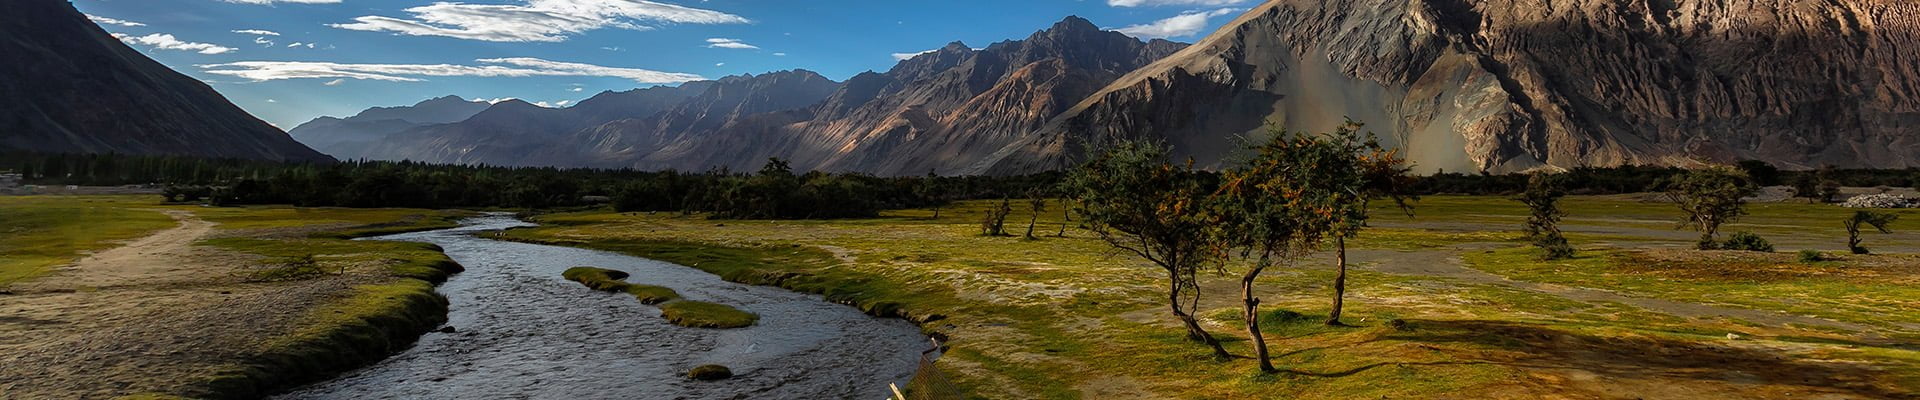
(1339, 280)
(1194, 331)
(936, 213)
(1031, 223)
(1066, 215)
(1252, 316)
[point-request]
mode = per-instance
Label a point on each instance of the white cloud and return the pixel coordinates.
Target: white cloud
(908, 56)
(271, 2)
(503, 67)
(272, 101)
(563, 103)
(110, 21)
(168, 42)
(298, 44)
(1185, 24)
(497, 100)
(257, 32)
(577, 89)
(536, 20)
(780, 54)
(1156, 3)
(335, 82)
(263, 41)
(726, 43)
(719, 64)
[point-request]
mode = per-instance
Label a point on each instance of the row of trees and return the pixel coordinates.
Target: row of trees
(1293, 196)
(1709, 198)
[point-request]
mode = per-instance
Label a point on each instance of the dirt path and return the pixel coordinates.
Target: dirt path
(164, 257)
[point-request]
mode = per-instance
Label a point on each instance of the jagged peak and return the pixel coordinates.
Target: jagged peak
(1073, 23)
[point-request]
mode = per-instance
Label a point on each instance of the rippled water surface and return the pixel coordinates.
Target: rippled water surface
(523, 332)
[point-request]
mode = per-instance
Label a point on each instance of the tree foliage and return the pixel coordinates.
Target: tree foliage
(1138, 202)
(1711, 197)
(1864, 218)
(1542, 198)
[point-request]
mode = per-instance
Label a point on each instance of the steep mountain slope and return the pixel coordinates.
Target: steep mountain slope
(1511, 85)
(68, 86)
(939, 111)
(351, 137)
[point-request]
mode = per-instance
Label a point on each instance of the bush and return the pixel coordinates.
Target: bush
(1747, 241)
(1811, 256)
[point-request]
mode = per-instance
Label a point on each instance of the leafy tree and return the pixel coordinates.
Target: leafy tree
(994, 222)
(1878, 220)
(1763, 173)
(1807, 186)
(1543, 224)
(932, 192)
(1275, 209)
(1354, 169)
(1037, 200)
(1137, 202)
(1711, 197)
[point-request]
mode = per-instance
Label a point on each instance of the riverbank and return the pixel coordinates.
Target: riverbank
(1066, 317)
(204, 302)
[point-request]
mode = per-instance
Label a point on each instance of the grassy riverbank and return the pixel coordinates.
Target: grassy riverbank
(246, 301)
(1065, 317)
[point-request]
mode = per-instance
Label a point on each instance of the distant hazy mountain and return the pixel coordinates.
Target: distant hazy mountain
(350, 137)
(1512, 85)
(68, 86)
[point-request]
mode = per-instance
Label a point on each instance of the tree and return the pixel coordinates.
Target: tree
(995, 221)
(1711, 197)
(1275, 209)
(1877, 220)
(1763, 173)
(1362, 170)
(1807, 186)
(932, 192)
(1543, 224)
(1037, 200)
(1139, 203)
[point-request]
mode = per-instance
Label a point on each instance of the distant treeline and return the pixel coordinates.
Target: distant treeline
(773, 192)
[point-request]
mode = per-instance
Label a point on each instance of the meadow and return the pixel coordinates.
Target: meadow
(1450, 303)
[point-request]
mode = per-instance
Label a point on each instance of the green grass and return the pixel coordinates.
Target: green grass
(700, 314)
(608, 280)
(1067, 317)
(39, 233)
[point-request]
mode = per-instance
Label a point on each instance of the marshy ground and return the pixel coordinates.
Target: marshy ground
(1449, 304)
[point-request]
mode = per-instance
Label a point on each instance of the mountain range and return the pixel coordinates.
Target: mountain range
(67, 86)
(1492, 85)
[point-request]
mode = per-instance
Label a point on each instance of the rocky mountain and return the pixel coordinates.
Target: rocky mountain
(940, 111)
(518, 133)
(68, 86)
(1512, 85)
(353, 136)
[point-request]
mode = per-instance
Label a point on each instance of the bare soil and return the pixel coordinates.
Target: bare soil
(150, 316)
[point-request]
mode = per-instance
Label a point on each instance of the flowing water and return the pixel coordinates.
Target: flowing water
(522, 332)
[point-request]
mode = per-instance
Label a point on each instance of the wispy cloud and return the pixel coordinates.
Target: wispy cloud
(500, 67)
(335, 82)
(1157, 3)
(725, 43)
(110, 21)
(164, 41)
(909, 56)
(263, 41)
(1185, 24)
(536, 20)
(257, 32)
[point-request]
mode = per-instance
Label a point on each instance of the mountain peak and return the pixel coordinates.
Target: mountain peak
(1073, 23)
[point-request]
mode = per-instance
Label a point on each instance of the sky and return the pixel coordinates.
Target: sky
(289, 61)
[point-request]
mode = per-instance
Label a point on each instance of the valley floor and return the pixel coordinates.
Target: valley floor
(187, 300)
(1450, 304)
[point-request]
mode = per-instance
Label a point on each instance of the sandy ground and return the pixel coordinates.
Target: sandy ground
(144, 317)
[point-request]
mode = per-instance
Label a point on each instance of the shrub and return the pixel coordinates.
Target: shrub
(1747, 241)
(1811, 256)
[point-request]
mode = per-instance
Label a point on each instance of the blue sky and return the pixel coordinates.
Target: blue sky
(288, 61)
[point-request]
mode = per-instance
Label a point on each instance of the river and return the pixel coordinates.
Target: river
(522, 332)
